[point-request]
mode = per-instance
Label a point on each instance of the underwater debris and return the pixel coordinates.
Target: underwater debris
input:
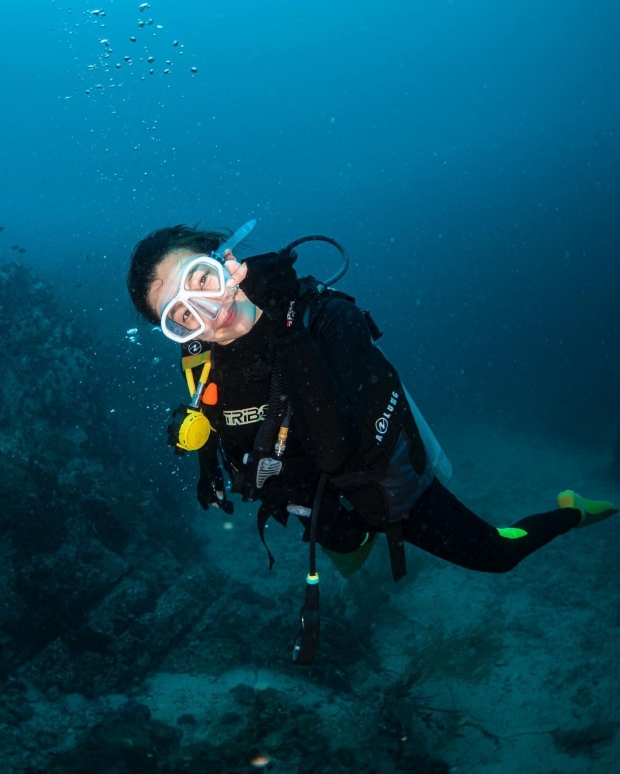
(583, 741)
(260, 761)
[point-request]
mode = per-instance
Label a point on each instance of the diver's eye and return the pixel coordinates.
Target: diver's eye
(180, 314)
(208, 281)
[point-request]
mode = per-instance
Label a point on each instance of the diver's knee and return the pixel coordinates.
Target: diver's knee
(498, 562)
(505, 563)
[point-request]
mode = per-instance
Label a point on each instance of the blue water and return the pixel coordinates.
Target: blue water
(464, 151)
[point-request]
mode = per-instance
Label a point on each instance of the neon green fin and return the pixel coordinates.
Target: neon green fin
(512, 533)
(349, 564)
(592, 511)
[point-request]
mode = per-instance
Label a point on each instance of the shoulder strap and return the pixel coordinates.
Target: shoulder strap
(316, 295)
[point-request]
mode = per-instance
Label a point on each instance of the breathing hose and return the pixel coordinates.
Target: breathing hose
(320, 238)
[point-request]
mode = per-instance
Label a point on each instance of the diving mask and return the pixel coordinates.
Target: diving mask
(192, 311)
(194, 308)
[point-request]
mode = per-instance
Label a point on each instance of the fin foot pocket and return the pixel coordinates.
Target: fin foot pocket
(592, 511)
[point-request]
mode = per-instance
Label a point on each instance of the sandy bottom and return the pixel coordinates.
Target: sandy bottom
(518, 672)
(545, 697)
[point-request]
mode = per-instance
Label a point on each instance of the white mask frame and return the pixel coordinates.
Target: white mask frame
(191, 300)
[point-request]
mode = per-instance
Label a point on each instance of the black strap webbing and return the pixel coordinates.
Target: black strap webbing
(396, 546)
(262, 517)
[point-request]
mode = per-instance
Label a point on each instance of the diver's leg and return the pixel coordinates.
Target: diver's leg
(350, 561)
(440, 524)
(344, 538)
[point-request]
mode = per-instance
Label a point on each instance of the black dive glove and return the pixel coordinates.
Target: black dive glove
(207, 492)
(272, 284)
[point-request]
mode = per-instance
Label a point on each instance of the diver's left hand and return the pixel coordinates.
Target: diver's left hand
(271, 282)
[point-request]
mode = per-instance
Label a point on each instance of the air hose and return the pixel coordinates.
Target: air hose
(320, 238)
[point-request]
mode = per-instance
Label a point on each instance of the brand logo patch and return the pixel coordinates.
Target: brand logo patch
(194, 347)
(382, 424)
(290, 314)
(245, 416)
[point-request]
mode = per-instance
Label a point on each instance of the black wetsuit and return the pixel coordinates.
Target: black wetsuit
(327, 376)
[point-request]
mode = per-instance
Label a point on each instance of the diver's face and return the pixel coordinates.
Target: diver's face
(236, 314)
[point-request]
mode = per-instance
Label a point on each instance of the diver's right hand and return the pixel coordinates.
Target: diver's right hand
(209, 497)
(207, 494)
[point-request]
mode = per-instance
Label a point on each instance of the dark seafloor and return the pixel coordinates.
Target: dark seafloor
(128, 645)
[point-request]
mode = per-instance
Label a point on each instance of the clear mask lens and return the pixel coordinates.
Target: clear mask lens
(182, 321)
(205, 277)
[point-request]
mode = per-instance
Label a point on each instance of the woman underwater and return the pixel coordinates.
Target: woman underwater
(310, 417)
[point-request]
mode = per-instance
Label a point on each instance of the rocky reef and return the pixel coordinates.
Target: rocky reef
(87, 579)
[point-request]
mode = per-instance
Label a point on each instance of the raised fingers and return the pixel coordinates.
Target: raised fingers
(236, 270)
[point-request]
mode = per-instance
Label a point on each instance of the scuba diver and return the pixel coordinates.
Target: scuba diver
(293, 403)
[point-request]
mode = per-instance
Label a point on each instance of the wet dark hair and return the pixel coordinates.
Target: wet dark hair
(151, 251)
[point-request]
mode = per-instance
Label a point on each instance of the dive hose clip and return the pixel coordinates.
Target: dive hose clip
(259, 469)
